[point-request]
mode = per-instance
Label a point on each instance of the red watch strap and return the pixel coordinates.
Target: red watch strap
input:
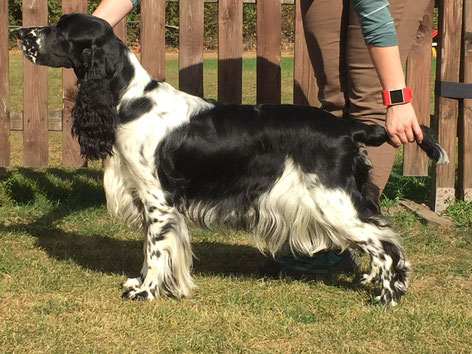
(397, 96)
(407, 95)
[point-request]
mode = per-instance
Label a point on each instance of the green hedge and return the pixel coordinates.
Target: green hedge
(172, 18)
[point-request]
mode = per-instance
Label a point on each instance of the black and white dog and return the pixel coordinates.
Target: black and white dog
(295, 177)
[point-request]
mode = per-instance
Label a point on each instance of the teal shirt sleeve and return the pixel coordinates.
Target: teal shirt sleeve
(135, 2)
(376, 22)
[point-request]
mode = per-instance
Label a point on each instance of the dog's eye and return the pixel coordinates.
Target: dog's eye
(62, 39)
(60, 36)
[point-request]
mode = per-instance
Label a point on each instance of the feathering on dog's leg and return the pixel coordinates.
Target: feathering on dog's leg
(388, 264)
(167, 256)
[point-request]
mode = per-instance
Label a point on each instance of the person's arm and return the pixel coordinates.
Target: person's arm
(113, 11)
(379, 33)
(401, 121)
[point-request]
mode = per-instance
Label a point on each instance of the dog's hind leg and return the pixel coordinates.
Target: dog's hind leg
(372, 234)
(388, 263)
(167, 255)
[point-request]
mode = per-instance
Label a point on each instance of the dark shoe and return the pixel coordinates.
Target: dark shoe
(320, 264)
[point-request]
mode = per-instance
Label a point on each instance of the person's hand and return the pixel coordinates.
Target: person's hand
(402, 125)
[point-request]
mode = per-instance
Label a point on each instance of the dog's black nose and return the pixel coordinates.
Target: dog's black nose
(21, 33)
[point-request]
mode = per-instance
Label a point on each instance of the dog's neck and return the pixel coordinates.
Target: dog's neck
(138, 77)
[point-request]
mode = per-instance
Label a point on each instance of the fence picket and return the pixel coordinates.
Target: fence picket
(70, 146)
(230, 50)
(304, 83)
(35, 95)
(446, 109)
(415, 161)
(153, 38)
(269, 26)
(191, 46)
(4, 88)
(465, 116)
(120, 29)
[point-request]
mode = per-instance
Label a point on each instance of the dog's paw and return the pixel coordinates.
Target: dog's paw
(386, 301)
(135, 289)
(138, 294)
(387, 298)
(132, 283)
(367, 279)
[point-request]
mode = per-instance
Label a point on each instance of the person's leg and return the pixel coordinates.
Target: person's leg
(325, 24)
(365, 99)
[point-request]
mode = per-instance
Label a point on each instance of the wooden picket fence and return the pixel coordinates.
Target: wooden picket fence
(452, 119)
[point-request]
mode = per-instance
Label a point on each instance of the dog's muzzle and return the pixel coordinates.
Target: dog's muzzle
(30, 41)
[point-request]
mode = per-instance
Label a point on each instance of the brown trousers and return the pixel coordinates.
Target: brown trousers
(347, 81)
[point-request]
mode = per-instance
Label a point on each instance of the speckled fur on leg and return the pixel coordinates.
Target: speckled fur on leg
(167, 256)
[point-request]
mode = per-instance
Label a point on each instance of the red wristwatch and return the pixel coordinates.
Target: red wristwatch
(397, 96)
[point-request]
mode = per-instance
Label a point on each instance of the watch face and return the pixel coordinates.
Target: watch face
(396, 96)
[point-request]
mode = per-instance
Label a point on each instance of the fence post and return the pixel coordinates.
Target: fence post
(465, 114)
(230, 50)
(269, 24)
(4, 88)
(304, 82)
(191, 46)
(446, 109)
(35, 94)
(415, 161)
(70, 146)
(153, 47)
(120, 30)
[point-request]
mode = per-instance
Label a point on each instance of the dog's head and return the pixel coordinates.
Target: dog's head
(88, 45)
(77, 41)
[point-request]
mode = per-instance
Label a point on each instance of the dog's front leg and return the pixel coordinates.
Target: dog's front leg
(167, 255)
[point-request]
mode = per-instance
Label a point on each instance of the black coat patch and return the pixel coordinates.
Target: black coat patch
(130, 110)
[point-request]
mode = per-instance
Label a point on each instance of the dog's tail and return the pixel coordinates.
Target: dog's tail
(376, 135)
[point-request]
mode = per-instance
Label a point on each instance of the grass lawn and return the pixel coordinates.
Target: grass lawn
(62, 259)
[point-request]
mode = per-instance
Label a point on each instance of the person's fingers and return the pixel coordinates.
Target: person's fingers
(395, 140)
(418, 132)
(410, 135)
(402, 137)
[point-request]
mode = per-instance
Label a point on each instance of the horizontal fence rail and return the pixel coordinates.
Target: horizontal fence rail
(451, 115)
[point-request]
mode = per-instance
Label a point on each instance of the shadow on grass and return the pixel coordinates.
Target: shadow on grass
(246, 261)
(78, 188)
(75, 190)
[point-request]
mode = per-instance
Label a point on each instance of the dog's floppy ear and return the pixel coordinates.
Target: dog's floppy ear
(94, 113)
